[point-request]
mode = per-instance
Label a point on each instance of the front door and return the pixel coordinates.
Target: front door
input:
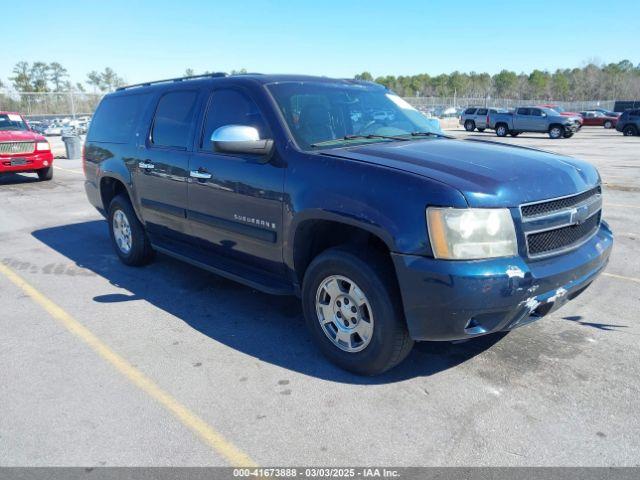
(235, 200)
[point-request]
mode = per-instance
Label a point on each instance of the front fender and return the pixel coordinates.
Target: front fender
(386, 202)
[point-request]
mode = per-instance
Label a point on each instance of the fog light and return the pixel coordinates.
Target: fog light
(45, 163)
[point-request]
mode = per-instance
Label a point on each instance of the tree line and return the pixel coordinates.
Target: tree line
(53, 77)
(594, 81)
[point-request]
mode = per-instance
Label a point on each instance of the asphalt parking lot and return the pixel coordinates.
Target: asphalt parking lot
(104, 364)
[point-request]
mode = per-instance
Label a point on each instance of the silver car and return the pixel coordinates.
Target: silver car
(477, 118)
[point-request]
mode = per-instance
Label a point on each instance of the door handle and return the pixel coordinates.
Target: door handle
(144, 165)
(200, 174)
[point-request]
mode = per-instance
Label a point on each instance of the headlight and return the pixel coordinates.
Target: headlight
(43, 146)
(471, 233)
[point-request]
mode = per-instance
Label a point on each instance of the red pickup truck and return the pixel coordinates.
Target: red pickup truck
(22, 149)
(562, 111)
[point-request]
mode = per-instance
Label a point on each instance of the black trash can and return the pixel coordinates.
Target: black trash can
(73, 146)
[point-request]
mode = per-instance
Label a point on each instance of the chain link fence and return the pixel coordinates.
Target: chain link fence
(70, 104)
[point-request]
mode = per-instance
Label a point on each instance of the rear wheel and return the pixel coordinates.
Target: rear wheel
(629, 131)
(128, 236)
(502, 130)
(353, 310)
(45, 174)
(469, 125)
(556, 131)
(608, 124)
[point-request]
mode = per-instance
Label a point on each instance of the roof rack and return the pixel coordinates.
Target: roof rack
(177, 79)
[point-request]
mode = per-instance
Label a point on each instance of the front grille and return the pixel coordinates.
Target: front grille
(562, 238)
(551, 206)
(16, 148)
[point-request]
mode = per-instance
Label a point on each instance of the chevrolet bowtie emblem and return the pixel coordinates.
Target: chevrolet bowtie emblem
(579, 214)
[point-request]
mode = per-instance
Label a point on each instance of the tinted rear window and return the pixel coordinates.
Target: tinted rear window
(116, 118)
(470, 111)
(173, 119)
(482, 111)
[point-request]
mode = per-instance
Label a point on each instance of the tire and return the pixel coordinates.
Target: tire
(556, 132)
(514, 134)
(133, 249)
(608, 124)
(502, 130)
(629, 131)
(45, 174)
(469, 125)
(481, 130)
(385, 342)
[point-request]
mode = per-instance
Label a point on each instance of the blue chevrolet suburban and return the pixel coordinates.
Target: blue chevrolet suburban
(341, 193)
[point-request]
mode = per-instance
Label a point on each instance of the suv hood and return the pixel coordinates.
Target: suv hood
(489, 174)
(19, 136)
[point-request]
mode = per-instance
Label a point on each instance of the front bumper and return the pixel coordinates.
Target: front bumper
(453, 300)
(32, 162)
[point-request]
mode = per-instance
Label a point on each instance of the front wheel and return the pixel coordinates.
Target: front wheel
(556, 132)
(469, 125)
(45, 174)
(502, 130)
(128, 236)
(353, 310)
(608, 124)
(629, 131)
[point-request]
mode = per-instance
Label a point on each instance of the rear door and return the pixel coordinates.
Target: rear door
(162, 165)
(537, 122)
(236, 210)
(521, 119)
(481, 118)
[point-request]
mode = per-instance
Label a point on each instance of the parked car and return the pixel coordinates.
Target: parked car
(53, 130)
(562, 111)
(597, 119)
(37, 126)
(389, 232)
(629, 122)
(21, 149)
(623, 105)
(534, 119)
(478, 118)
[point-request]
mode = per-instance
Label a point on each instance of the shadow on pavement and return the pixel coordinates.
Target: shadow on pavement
(269, 328)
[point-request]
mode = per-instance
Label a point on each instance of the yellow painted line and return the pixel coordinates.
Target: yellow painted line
(207, 433)
(79, 172)
(621, 277)
(621, 206)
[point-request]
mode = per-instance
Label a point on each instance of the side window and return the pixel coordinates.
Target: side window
(173, 119)
(231, 107)
(470, 111)
(481, 111)
(523, 111)
(536, 112)
(116, 118)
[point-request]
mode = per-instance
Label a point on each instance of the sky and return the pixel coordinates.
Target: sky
(146, 40)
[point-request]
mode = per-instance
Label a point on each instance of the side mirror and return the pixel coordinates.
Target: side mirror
(240, 139)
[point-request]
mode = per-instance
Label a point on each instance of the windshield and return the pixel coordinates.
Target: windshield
(323, 114)
(558, 109)
(11, 121)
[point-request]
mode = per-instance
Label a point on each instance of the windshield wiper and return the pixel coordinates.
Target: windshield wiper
(428, 134)
(358, 137)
